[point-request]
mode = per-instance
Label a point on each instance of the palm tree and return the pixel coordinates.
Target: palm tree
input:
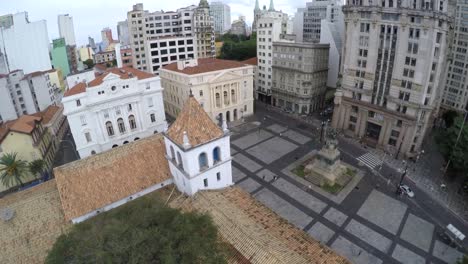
(36, 167)
(12, 169)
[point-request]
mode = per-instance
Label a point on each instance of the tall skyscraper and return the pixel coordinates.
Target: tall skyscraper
(314, 13)
(204, 30)
(122, 33)
(221, 14)
(106, 35)
(66, 29)
(24, 45)
(455, 93)
(393, 60)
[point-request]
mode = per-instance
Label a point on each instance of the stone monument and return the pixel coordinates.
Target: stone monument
(326, 167)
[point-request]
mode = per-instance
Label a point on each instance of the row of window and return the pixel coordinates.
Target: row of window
(120, 125)
(202, 158)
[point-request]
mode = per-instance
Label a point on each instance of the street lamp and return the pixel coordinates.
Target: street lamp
(403, 174)
(73, 147)
(322, 126)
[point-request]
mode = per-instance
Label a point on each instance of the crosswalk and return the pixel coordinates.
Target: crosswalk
(370, 160)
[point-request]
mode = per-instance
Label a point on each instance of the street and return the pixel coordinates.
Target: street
(370, 225)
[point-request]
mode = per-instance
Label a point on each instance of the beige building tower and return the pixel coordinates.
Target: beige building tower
(204, 30)
(393, 64)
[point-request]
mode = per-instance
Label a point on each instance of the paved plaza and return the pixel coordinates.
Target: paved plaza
(370, 225)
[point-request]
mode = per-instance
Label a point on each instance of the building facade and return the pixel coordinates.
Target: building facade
(15, 45)
(314, 13)
(123, 33)
(221, 14)
(164, 51)
(204, 30)
(85, 53)
(260, 12)
(104, 56)
(271, 26)
(26, 94)
(66, 29)
(239, 27)
(59, 55)
(119, 106)
(332, 33)
(223, 88)
(300, 73)
(455, 93)
(392, 69)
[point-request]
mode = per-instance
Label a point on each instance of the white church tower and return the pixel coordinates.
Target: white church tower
(198, 151)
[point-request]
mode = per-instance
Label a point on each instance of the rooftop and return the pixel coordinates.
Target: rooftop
(48, 113)
(24, 124)
(123, 73)
(196, 122)
(206, 65)
(255, 231)
(251, 61)
(37, 223)
(98, 180)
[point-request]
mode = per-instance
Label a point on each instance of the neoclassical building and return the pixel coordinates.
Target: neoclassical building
(117, 107)
(224, 88)
(394, 57)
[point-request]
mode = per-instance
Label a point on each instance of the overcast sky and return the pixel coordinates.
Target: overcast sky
(90, 16)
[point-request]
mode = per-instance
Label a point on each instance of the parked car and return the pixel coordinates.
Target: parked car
(407, 190)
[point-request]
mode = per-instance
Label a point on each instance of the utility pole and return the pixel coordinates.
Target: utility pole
(403, 174)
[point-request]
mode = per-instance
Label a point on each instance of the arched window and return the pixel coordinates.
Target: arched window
(216, 155)
(233, 96)
(93, 152)
(179, 161)
(121, 125)
(109, 128)
(137, 138)
(114, 146)
(172, 154)
(125, 142)
(131, 120)
(202, 161)
(218, 100)
(226, 99)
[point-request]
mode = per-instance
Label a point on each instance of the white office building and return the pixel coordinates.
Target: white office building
(123, 33)
(25, 44)
(221, 14)
(314, 13)
(271, 27)
(26, 94)
(117, 107)
(66, 29)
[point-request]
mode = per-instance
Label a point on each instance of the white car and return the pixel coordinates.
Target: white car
(406, 189)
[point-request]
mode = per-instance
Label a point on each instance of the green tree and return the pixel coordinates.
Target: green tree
(37, 167)
(457, 153)
(12, 169)
(449, 117)
(463, 260)
(89, 63)
(142, 231)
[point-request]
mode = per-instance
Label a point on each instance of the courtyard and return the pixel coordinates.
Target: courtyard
(366, 222)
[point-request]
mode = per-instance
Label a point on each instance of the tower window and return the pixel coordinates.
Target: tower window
(205, 182)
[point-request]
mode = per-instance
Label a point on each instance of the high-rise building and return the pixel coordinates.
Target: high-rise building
(122, 33)
(455, 93)
(26, 94)
(259, 12)
(221, 14)
(271, 27)
(314, 13)
(60, 56)
(299, 76)
(24, 45)
(239, 27)
(66, 29)
(160, 38)
(393, 60)
(204, 30)
(106, 35)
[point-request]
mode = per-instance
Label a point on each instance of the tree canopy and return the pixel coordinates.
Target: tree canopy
(457, 153)
(238, 47)
(89, 63)
(12, 170)
(142, 231)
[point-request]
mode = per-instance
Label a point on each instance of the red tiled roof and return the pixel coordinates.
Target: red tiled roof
(24, 124)
(206, 65)
(124, 73)
(48, 113)
(251, 61)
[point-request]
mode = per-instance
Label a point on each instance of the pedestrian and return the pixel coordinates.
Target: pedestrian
(263, 177)
(275, 177)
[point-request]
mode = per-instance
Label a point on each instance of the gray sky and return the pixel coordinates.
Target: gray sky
(90, 16)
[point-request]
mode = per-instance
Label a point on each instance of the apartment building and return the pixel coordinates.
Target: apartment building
(239, 27)
(122, 33)
(117, 107)
(300, 73)
(66, 29)
(314, 13)
(455, 93)
(26, 94)
(224, 88)
(204, 30)
(175, 32)
(104, 56)
(221, 14)
(271, 27)
(393, 64)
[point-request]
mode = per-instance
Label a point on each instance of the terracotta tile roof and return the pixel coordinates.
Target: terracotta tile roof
(101, 66)
(91, 183)
(25, 124)
(206, 65)
(196, 122)
(251, 61)
(37, 223)
(48, 113)
(124, 73)
(255, 231)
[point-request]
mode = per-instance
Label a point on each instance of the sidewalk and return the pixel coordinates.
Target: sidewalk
(427, 173)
